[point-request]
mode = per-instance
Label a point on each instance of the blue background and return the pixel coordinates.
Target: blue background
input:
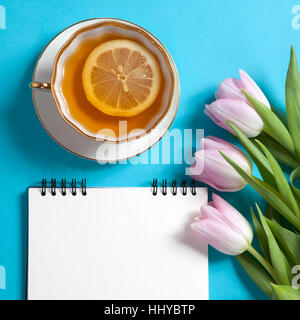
(209, 41)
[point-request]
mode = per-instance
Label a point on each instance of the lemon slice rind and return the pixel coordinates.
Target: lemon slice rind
(121, 78)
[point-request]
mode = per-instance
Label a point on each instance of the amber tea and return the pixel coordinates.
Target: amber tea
(116, 76)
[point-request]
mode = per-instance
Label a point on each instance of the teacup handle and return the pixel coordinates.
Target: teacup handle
(40, 85)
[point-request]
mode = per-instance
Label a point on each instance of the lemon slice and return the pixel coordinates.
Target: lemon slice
(121, 78)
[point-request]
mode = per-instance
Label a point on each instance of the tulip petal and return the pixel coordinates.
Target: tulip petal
(196, 169)
(249, 85)
(215, 172)
(211, 142)
(216, 119)
(211, 168)
(237, 112)
(229, 89)
(218, 144)
(234, 216)
(213, 145)
(218, 234)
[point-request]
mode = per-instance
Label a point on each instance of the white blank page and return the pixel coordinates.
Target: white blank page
(115, 243)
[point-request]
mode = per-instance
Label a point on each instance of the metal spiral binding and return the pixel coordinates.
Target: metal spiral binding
(44, 187)
(63, 186)
(73, 187)
(193, 188)
(164, 189)
(53, 187)
(173, 187)
(184, 187)
(83, 187)
(154, 187)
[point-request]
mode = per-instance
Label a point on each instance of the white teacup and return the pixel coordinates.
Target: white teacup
(124, 28)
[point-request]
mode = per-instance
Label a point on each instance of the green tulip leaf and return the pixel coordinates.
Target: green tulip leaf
(282, 183)
(260, 277)
(256, 155)
(272, 123)
(261, 236)
(279, 261)
(292, 97)
(285, 292)
(280, 115)
(272, 214)
(267, 192)
(293, 177)
(288, 240)
(278, 151)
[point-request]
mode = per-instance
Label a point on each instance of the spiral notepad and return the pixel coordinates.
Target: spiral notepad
(115, 243)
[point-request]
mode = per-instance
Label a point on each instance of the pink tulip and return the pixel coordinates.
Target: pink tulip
(233, 106)
(211, 168)
(223, 227)
(230, 88)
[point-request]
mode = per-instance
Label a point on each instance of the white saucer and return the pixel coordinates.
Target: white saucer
(64, 134)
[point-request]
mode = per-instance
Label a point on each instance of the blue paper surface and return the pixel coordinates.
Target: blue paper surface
(209, 41)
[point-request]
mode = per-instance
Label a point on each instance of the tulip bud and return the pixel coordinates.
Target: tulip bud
(223, 227)
(237, 112)
(231, 88)
(233, 106)
(211, 168)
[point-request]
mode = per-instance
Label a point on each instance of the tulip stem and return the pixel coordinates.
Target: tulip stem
(262, 261)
